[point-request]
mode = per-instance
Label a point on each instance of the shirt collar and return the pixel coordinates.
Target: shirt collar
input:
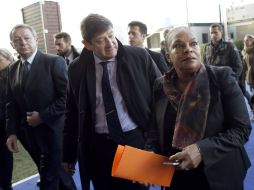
(31, 58)
(70, 57)
(98, 60)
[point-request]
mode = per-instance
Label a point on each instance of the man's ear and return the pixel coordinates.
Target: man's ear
(87, 44)
(144, 35)
(167, 54)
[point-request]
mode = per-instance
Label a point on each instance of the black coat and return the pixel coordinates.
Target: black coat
(223, 54)
(228, 128)
(135, 77)
(3, 82)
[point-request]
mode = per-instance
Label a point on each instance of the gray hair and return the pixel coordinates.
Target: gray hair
(6, 54)
(172, 34)
(32, 30)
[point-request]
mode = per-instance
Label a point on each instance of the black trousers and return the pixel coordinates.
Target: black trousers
(44, 146)
(246, 93)
(6, 164)
(102, 154)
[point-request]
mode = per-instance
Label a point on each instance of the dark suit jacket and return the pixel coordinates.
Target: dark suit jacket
(228, 128)
(44, 91)
(159, 61)
(135, 77)
(3, 84)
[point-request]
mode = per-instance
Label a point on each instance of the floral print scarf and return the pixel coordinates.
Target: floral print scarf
(191, 106)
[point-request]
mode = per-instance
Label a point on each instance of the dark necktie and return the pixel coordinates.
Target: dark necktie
(67, 61)
(114, 126)
(25, 71)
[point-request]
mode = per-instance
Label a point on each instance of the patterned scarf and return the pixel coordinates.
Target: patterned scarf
(191, 106)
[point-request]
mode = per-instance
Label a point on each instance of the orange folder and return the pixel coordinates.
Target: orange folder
(142, 166)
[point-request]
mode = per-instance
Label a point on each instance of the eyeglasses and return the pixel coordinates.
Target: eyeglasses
(19, 40)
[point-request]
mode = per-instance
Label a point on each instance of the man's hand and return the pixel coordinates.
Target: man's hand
(11, 143)
(189, 158)
(33, 118)
(69, 168)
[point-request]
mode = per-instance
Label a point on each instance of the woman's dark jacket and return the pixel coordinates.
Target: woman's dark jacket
(228, 128)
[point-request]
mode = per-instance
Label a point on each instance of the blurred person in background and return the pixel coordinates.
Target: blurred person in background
(248, 61)
(222, 53)
(6, 158)
(137, 32)
(163, 47)
(64, 47)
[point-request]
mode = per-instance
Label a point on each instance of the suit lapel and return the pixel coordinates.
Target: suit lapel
(16, 84)
(91, 87)
(18, 76)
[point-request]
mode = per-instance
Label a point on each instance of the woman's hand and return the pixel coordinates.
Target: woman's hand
(189, 158)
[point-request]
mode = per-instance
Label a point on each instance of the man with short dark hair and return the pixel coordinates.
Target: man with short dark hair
(108, 103)
(221, 53)
(137, 34)
(64, 47)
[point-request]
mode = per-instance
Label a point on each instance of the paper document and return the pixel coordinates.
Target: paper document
(142, 166)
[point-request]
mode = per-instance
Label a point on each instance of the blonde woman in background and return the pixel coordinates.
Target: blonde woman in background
(6, 159)
(248, 58)
(248, 61)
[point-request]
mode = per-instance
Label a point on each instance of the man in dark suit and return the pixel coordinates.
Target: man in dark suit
(137, 32)
(106, 70)
(36, 94)
(64, 47)
(62, 41)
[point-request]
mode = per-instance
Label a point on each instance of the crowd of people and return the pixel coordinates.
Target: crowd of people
(79, 106)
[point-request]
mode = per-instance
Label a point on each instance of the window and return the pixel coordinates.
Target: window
(231, 35)
(204, 37)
